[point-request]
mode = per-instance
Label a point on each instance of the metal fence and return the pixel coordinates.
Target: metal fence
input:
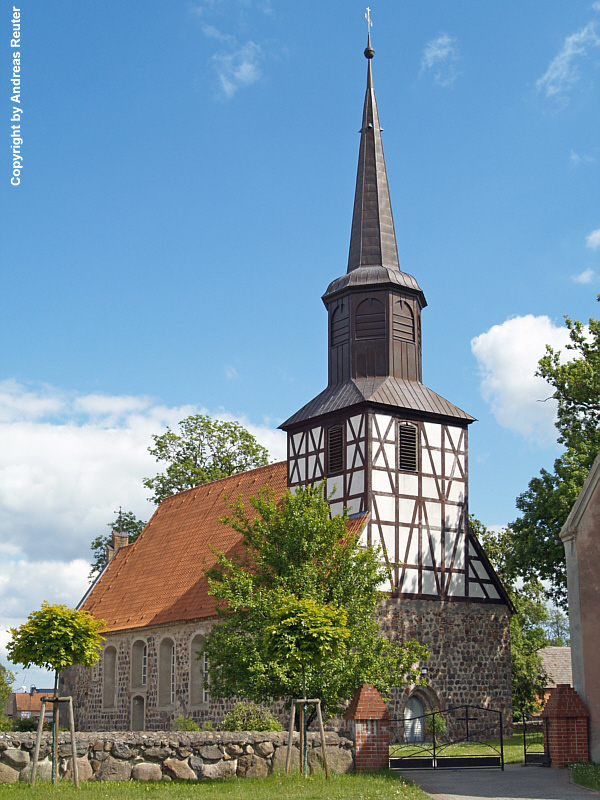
(535, 741)
(468, 737)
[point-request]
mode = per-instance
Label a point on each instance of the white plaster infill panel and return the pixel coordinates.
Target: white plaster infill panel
(408, 484)
(380, 481)
(379, 426)
(456, 491)
(299, 442)
(434, 434)
(335, 488)
(357, 482)
(385, 508)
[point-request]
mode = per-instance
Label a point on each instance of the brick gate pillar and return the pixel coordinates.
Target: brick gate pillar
(370, 725)
(567, 726)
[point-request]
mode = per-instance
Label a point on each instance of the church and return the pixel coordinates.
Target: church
(393, 452)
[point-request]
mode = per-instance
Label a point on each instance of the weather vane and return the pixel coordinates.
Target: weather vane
(369, 21)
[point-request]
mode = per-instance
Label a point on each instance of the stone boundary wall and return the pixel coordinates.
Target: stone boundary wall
(164, 756)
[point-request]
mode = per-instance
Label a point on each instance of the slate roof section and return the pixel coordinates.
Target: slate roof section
(557, 663)
(388, 391)
(160, 578)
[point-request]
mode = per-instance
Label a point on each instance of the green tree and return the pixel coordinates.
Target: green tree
(295, 549)
(557, 628)
(304, 633)
(527, 624)
(56, 637)
(6, 681)
(126, 522)
(204, 450)
(545, 505)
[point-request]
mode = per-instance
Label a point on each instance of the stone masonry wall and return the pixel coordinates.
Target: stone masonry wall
(469, 664)
(156, 757)
(470, 653)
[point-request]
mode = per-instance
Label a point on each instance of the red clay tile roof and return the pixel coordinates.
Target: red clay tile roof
(23, 701)
(160, 578)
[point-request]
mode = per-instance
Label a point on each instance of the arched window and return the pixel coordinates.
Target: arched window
(139, 664)
(370, 319)
(199, 696)
(340, 325)
(414, 729)
(403, 323)
(335, 449)
(166, 673)
(109, 676)
(138, 715)
(408, 457)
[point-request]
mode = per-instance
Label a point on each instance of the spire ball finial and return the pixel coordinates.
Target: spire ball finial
(369, 52)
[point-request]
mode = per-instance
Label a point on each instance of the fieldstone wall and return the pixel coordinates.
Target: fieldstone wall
(154, 757)
(470, 653)
(469, 664)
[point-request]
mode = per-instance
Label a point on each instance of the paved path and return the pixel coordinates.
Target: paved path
(517, 781)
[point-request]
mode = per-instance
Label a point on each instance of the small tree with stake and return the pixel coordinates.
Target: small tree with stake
(56, 637)
(304, 632)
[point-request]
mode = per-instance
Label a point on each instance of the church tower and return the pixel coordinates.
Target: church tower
(389, 447)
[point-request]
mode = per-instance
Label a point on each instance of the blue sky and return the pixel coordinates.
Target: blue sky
(186, 198)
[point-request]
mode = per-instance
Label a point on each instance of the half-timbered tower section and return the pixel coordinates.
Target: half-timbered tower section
(392, 448)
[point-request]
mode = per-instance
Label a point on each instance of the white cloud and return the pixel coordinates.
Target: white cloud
(592, 240)
(441, 56)
(231, 372)
(577, 159)
(67, 463)
(563, 71)
(508, 356)
(587, 276)
(238, 68)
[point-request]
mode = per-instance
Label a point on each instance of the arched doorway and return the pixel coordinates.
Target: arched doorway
(413, 721)
(138, 715)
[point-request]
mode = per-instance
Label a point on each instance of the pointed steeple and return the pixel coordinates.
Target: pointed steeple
(373, 239)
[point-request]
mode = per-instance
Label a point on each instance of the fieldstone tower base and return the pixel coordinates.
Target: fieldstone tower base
(567, 726)
(370, 727)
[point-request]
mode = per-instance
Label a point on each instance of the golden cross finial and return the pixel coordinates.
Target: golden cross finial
(368, 18)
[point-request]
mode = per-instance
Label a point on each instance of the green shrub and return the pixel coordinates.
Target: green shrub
(30, 724)
(6, 724)
(183, 723)
(245, 716)
(207, 726)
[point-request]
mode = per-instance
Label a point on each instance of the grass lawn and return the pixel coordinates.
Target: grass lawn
(586, 775)
(513, 749)
(361, 786)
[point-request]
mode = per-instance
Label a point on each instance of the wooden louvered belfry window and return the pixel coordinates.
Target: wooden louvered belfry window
(408, 459)
(403, 322)
(370, 319)
(335, 449)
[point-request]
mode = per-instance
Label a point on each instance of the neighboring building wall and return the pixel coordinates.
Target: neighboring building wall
(581, 538)
(470, 653)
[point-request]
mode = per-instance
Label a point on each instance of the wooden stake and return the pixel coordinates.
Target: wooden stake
(38, 738)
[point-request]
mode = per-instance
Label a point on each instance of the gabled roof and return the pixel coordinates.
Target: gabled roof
(160, 578)
(387, 391)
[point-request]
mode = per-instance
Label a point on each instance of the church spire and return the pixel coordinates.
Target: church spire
(373, 239)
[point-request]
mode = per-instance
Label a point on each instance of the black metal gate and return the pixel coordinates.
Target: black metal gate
(463, 737)
(535, 741)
